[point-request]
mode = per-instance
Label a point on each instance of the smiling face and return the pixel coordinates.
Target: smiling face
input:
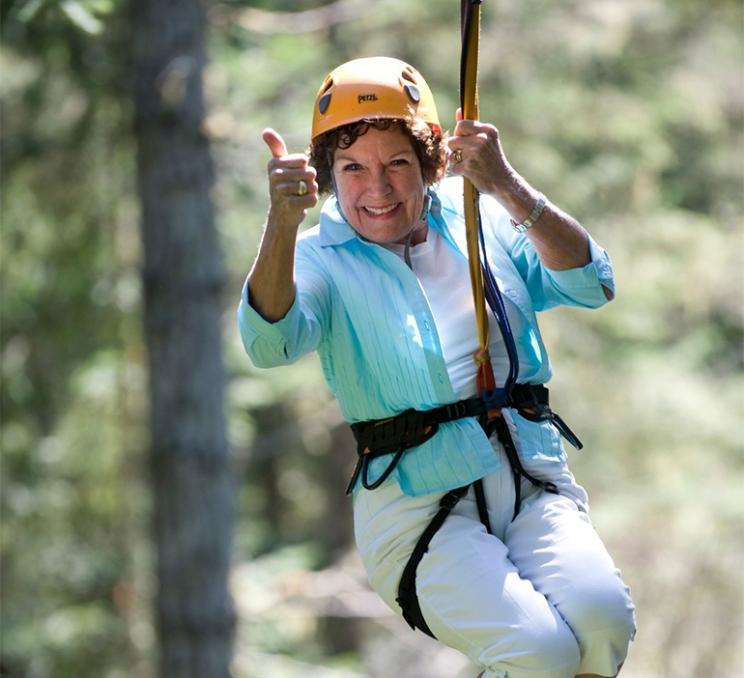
(380, 187)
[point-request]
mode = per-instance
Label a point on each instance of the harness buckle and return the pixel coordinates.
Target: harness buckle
(457, 410)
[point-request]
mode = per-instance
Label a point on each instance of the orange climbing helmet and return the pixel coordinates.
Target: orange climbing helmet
(373, 88)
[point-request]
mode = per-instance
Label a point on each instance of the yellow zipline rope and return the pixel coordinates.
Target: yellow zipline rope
(469, 85)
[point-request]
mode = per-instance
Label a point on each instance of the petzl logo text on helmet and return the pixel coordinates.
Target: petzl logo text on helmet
(366, 97)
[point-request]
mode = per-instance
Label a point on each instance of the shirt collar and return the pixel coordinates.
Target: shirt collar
(334, 229)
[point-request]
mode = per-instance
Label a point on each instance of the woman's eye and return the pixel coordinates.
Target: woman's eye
(352, 167)
(399, 162)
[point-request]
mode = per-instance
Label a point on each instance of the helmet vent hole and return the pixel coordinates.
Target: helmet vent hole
(413, 92)
(324, 102)
(408, 74)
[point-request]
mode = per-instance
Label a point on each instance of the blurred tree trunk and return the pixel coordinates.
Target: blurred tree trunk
(183, 276)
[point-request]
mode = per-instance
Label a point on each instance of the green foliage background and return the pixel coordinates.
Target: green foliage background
(626, 113)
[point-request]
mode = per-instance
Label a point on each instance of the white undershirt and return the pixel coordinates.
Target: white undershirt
(445, 279)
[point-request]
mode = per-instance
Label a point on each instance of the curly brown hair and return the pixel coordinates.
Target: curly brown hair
(428, 145)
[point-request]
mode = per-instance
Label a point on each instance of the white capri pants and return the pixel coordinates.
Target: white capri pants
(540, 598)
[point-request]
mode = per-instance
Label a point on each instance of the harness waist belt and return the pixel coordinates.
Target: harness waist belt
(397, 434)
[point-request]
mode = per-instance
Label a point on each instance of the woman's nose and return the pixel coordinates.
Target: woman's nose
(379, 182)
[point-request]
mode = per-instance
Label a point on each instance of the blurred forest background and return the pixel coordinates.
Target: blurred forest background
(628, 113)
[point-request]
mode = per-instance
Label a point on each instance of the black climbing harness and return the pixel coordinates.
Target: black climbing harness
(396, 435)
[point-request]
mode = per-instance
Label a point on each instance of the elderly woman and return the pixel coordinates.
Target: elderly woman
(480, 540)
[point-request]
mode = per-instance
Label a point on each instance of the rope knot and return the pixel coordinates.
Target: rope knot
(481, 356)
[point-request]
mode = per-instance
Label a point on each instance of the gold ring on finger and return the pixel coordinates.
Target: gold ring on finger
(302, 188)
(457, 155)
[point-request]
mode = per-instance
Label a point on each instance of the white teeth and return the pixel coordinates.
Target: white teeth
(380, 210)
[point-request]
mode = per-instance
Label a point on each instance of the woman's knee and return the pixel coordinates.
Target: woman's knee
(549, 651)
(602, 617)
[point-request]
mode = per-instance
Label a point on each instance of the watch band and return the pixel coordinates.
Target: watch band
(534, 215)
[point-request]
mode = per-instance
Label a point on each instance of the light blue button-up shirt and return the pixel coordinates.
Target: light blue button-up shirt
(363, 310)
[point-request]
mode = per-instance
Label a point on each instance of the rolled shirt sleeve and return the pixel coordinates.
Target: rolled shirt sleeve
(584, 286)
(268, 344)
(300, 331)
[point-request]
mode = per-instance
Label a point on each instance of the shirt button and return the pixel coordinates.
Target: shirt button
(426, 324)
(441, 379)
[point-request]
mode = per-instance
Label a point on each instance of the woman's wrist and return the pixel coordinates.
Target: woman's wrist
(516, 196)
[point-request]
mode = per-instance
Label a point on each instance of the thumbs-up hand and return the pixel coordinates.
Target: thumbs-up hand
(292, 186)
